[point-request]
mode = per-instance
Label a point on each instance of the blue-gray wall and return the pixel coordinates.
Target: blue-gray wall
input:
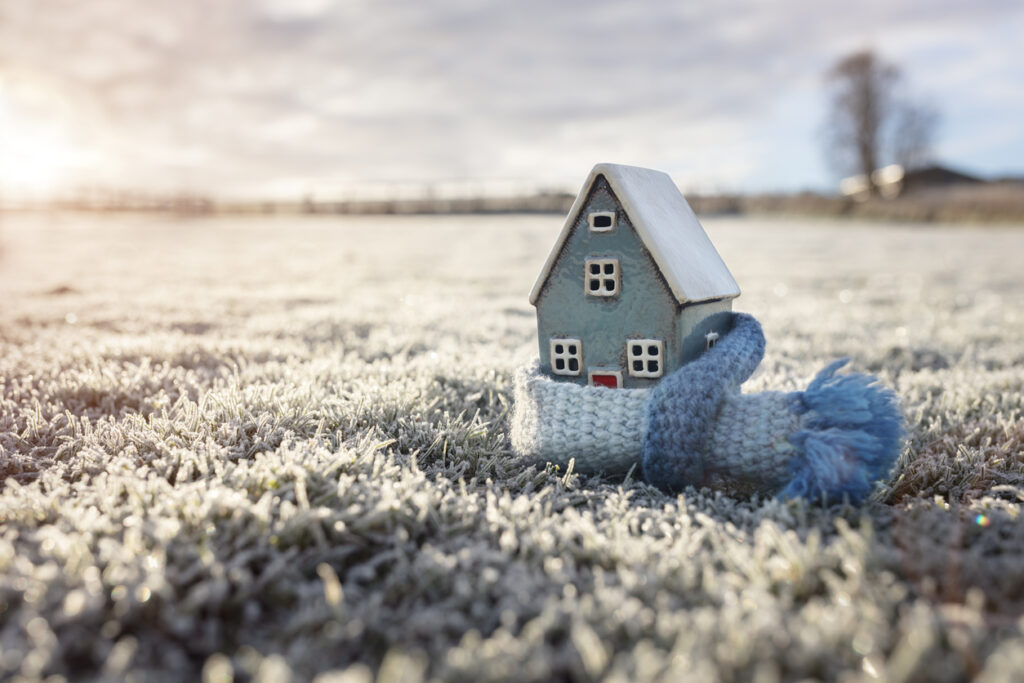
(695, 321)
(644, 307)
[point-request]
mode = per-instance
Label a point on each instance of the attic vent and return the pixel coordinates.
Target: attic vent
(601, 221)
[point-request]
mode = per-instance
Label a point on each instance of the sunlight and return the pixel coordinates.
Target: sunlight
(36, 159)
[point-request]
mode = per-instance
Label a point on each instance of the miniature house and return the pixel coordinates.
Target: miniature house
(631, 289)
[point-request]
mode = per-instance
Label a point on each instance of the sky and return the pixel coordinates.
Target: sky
(291, 98)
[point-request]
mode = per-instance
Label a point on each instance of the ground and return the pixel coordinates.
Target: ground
(276, 448)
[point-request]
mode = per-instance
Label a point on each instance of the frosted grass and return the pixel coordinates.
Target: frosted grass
(276, 448)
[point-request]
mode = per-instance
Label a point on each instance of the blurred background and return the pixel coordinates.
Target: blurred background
(411, 106)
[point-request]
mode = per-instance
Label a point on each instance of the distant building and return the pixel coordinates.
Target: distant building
(893, 181)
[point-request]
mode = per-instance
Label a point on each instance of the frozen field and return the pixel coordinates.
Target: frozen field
(276, 448)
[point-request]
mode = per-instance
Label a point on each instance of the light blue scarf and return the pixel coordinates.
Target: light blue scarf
(834, 440)
(846, 429)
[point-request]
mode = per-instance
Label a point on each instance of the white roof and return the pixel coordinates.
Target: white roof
(668, 228)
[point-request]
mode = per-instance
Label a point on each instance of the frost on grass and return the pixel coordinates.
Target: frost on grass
(274, 449)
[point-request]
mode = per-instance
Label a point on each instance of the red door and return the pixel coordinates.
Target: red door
(605, 378)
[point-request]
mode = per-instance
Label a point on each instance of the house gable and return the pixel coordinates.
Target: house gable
(643, 307)
(666, 226)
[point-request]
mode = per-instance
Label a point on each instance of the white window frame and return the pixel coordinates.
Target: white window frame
(566, 356)
(645, 356)
(601, 214)
(710, 339)
(604, 371)
(602, 277)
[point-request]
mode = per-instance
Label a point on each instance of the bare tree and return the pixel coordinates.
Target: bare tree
(869, 121)
(913, 134)
(862, 86)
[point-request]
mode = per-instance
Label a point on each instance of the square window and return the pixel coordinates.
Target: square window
(601, 221)
(646, 357)
(602, 276)
(566, 356)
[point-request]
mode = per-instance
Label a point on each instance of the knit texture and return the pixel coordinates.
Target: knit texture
(684, 405)
(554, 421)
(833, 441)
(851, 433)
(749, 450)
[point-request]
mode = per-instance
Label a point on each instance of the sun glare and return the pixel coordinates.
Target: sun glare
(36, 160)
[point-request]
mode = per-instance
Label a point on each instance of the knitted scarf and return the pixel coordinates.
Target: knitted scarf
(835, 439)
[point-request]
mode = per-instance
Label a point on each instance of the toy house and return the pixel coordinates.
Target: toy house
(631, 289)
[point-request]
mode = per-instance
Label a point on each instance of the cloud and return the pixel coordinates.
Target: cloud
(238, 97)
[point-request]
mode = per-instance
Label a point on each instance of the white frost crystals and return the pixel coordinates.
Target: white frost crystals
(252, 435)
